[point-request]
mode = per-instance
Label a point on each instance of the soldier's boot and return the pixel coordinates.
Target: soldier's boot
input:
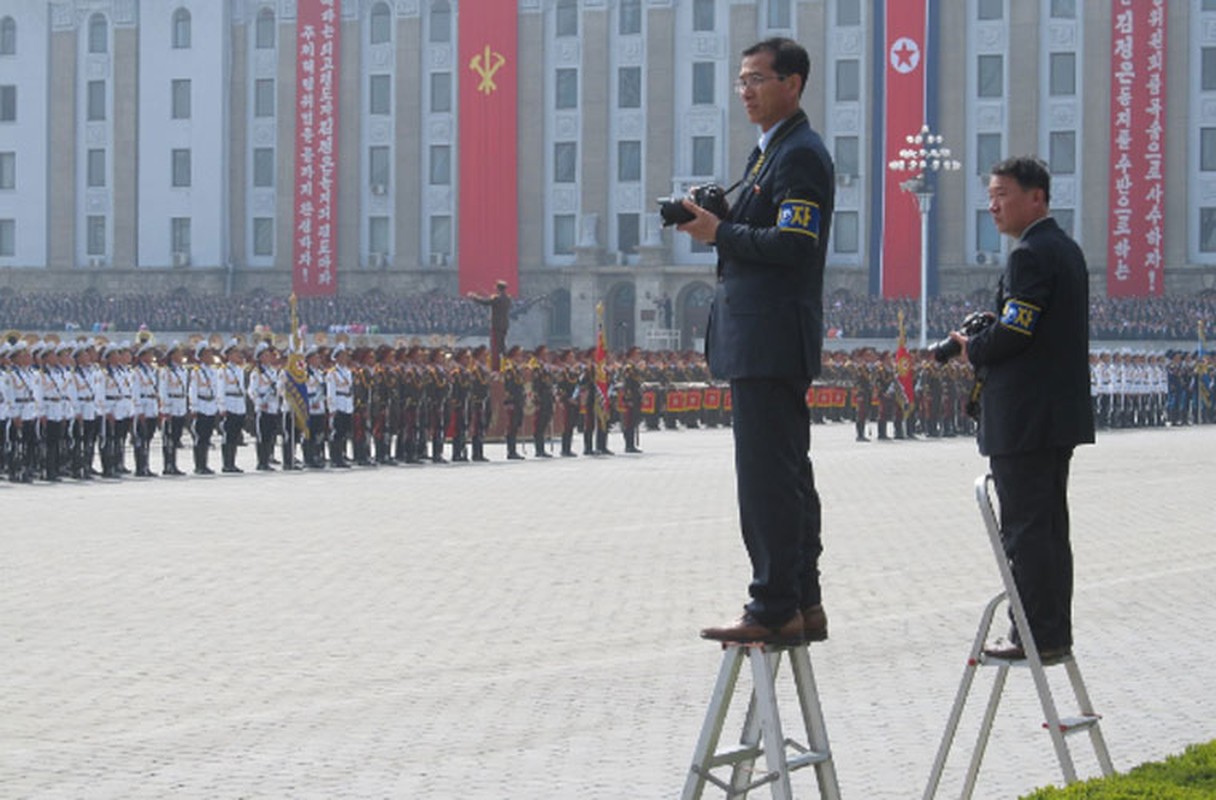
(512, 453)
(437, 449)
(567, 441)
(479, 450)
(882, 429)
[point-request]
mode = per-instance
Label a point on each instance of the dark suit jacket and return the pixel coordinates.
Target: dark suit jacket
(1036, 391)
(767, 314)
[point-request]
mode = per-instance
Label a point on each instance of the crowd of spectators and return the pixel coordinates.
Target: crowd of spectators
(1153, 319)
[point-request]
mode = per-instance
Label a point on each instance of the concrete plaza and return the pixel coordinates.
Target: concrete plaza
(528, 630)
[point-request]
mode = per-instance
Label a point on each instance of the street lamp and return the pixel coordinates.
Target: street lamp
(924, 154)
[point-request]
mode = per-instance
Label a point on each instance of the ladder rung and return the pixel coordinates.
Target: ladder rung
(1077, 724)
(807, 759)
(735, 754)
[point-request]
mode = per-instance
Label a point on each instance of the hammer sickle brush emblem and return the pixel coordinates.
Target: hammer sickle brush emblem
(486, 64)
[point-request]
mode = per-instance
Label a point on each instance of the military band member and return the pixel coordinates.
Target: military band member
(263, 390)
(380, 408)
(314, 443)
(339, 399)
(436, 399)
(409, 444)
(479, 401)
(6, 405)
(630, 379)
(567, 391)
(513, 400)
(203, 389)
(460, 380)
(59, 403)
(542, 392)
(232, 384)
(27, 408)
(87, 425)
(147, 407)
(171, 388)
(362, 363)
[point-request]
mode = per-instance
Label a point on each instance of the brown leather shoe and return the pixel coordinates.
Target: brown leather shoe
(814, 623)
(748, 629)
(1012, 651)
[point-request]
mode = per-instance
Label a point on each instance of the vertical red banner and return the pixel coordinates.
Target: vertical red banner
(904, 112)
(1134, 256)
(489, 215)
(316, 163)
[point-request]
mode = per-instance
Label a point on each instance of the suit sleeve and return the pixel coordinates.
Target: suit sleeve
(800, 183)
(1027, 297)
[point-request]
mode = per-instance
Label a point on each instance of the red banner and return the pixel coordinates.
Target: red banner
(675, 401)
(648, 403)
(316, 165)
(904, 93)
(1134, 257)
(713, 398)
(489, 213)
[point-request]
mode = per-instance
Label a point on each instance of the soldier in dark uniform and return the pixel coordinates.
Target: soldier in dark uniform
(380, 404)
(460, 382)
(437, 403)
(542, 393)
(863, 390)
(361, 422)
(631, 397)
(513, 399)
(479, 401)
(411, 407)
(567, 392)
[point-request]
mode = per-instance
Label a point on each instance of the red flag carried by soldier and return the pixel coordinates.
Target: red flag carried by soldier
(903, 369)
(601, 370)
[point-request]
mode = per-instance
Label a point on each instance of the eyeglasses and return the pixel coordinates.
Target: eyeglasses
(755, 80)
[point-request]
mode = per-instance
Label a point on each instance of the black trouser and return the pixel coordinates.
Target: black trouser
(52, 448)
(540, 431)
(171, 442)
(266, 429)
(233, 425)
(203, 426)
(337, 444)
(778, 504)
(515, 418)
(314, 445)
(1033, 492)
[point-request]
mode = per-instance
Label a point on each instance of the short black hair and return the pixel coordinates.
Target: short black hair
(789, 57)
(1028, 171)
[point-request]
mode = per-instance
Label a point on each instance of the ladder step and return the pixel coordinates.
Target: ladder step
(734, 755)
(1077, 724)
(808, 759)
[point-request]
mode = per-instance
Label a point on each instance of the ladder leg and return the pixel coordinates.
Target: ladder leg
(1087, 709)
(741, 775)
(770, 722)
(715, 716)
(812, 718)
(981, 740)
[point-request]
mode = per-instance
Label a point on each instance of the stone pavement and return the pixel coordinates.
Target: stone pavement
(528, 630)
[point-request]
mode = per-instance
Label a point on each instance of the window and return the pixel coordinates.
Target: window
(1065, 218)
(629, 161)
(95, 236)
(1062, 152)
(8, 103)
(1207, 150)
(627, 230)
(1064, 9)
(848, 12)
(441, 22)
(8, 237)
(441, 234)
(263, 167)
(567, 88)
(8, 37)
(441, 92)
(441, 165)
(96, 100)
(1209, 5)
(703, 15)
(630, 20)
(8, 170)
(845, 232)
(179, 234)
(263, 236)
(563, 234)
(379, 100)
(95, 168)
(567, 17)
(381, 24)
(629, 87)
(779, 13)
(378, 166)
(847, 156)
(263, 31)
(263, 97)
(1207, 230)
(987, 239)
(848, 80)
(991, 76)
(377, 234)
(565, 161)
(702, 155)
(180, 159)
(99, 34)
(1208, 80)
(1063, 71)
(181, 29)
(987, 152)
(180, 100)
(990, 9)
(703, 83)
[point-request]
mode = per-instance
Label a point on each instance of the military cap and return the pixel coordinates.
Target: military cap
(229, 345)
(261, 348)
(340, 347)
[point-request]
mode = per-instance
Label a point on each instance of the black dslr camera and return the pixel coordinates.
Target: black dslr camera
(710, 197)
(973, 323)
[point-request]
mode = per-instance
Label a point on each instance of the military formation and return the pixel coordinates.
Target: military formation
(1134, 389)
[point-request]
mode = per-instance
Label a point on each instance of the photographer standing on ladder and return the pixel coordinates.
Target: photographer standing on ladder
(765, 336)
(1035, 405)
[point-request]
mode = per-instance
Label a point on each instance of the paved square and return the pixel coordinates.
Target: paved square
(529, 629)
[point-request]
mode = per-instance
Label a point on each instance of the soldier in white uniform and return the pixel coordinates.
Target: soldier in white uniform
(339, 387)
(263, 390)
(84, 379)
(171, 388)
(147, 407)
(204, 396)
(6, 405)
(314, 444)
(27, 409)
(232, 403)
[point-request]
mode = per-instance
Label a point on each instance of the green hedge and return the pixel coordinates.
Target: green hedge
(1190, 776)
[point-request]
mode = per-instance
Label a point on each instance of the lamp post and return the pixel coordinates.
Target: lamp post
(924, 155)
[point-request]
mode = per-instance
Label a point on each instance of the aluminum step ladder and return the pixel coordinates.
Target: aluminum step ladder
(762, 734)
(1059, 728)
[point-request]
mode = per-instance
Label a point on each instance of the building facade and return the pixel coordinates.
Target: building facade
(150, 144)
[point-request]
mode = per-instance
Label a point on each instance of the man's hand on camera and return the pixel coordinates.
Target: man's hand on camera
(962, 342)
(704, 228)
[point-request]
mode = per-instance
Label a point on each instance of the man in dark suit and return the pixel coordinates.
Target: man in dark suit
(1035, 406)
(765, 336)
(500, 320)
